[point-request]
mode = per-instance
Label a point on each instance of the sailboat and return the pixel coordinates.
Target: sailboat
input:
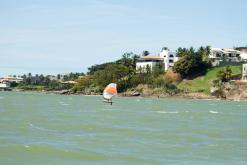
(109, 91)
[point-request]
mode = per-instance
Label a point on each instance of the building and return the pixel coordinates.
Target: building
(11, 79)
(169, 58)
(151, 62)
(4, 85)
(244, 72)
(219, 55)
(165, 60)
(243, 53)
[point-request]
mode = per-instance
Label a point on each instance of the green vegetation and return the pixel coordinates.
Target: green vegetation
(192, 63)
(122, 72)
(203, 83)
(192, 73)
(41, 82)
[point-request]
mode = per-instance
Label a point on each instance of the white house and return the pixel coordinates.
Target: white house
(169, 58)
(243, 54)
(11, 79)
(4, 84)
(218, 55)
(244, 72)
(165, 59)
(149, 62)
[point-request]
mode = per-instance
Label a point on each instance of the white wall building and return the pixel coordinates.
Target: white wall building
(244, 72)
(4, 85)
(11, 79)
(165, 59)
(149, 62)
(243, 54)
(218, 55)
(169, 58)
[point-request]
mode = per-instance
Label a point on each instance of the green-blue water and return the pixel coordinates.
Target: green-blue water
(53, 129)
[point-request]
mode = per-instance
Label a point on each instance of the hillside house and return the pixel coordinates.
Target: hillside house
(219, 55)
(165, 60)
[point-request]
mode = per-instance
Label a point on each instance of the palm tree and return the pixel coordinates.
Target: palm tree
(225, 75)
(228, 73)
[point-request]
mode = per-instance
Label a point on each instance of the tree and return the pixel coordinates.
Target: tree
(165, 48)
(112, 73)
(204, 53)
(191, 63)
(145, 53)
(58, 76)
(225, 75)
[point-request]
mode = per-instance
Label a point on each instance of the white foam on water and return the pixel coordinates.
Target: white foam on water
(40, 128)
(26, 146)
(171, 112)
(63, 103)
(215, 112)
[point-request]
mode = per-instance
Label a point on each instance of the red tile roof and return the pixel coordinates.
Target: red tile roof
(152, 57)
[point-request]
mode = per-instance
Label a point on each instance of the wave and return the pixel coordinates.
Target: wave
(41, 128)
(26, 146)
(171, 112)
(63, 103)
(215, 112)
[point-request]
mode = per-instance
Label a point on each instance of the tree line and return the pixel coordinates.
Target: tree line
(123, 72)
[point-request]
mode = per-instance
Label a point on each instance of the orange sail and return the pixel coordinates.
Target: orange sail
(110, 91)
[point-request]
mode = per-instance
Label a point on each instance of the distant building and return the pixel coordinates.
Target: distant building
(243, 54)
(244, 72)
(4, 84)
(165, 60)
(169, 58)
(11, 79)
(219, 55)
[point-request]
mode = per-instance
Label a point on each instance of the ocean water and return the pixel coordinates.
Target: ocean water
(53, 129)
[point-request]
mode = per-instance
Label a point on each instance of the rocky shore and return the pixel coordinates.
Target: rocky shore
(231, 91)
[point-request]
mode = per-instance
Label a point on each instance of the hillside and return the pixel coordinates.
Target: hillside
(203, 83)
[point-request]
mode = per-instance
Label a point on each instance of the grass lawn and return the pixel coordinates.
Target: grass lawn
(203, 83)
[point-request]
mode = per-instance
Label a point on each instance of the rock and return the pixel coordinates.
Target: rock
(135, 94)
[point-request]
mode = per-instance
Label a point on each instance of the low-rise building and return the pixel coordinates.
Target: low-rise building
(219, 55)
(150, 62)
(4, 85)
(244, 72)
(243, 54)
(165, 60)
(11, 79)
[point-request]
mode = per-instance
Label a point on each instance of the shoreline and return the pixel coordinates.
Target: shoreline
(188, 96)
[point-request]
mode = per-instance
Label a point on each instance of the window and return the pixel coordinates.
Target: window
(170, 61)
(171, 55)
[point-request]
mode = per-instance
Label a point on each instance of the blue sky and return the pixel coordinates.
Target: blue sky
(61, 36)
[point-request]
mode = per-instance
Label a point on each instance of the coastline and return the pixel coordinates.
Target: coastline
(190, 96)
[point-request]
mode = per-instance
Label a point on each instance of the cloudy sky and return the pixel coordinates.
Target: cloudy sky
(61, 36)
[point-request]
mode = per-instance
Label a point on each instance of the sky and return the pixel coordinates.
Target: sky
(62, 36)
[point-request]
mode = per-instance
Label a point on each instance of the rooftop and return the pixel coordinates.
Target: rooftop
(151, 57)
